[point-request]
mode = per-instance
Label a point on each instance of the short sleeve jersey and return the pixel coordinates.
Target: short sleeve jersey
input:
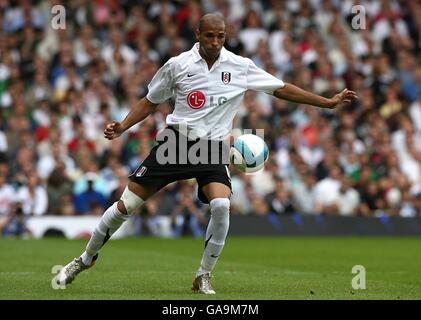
(206, 101)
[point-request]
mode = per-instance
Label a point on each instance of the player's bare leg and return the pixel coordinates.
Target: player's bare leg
(217, 231)
(133, 197)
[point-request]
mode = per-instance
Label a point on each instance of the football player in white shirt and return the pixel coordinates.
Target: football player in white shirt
(208, 83)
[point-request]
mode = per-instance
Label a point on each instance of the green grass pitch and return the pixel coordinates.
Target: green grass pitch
(249, 268)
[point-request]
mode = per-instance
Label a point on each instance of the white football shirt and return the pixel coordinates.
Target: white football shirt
(206, 101)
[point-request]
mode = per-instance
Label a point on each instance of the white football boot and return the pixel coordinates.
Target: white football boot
(72, 269)
(201, 284)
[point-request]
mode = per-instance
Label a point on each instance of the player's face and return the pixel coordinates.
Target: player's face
(211, 39)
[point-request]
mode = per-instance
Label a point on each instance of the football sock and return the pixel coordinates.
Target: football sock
(111, 220)
(215, 234)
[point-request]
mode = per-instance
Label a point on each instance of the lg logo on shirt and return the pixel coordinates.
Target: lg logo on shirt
(197, 99)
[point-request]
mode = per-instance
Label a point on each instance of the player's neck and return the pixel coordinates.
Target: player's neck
(209, 60)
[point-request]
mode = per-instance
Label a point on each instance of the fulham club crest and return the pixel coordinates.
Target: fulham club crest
(226, 77)
(141, 171)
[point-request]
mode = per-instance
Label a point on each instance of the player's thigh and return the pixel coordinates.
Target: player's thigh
(214, 190)
(142, 191)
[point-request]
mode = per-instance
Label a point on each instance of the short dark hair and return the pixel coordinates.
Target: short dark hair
(217, 17)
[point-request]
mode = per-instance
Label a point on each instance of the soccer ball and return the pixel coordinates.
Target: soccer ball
(249, 153)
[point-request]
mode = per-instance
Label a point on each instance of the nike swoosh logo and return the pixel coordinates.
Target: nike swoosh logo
(206, 242)
(213, 256)
(190, 75)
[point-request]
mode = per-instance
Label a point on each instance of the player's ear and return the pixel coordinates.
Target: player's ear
(197, 34)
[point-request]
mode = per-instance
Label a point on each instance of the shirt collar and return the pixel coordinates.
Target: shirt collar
(197, 57)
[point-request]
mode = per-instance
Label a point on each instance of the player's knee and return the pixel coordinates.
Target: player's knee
(220, 219)
(220, 212)
(220, 206)
(121, 207)
(130, 201)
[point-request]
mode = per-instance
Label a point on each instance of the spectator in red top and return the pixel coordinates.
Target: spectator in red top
(79, 139)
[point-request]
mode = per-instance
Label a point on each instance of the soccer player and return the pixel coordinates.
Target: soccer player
(208, 83)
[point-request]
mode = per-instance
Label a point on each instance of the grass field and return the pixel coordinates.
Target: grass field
(250, 268)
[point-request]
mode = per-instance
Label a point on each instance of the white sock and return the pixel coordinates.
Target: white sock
(111, 220)
(86, 258)
(215, 234)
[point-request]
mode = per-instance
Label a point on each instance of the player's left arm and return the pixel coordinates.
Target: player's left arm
(293, 93)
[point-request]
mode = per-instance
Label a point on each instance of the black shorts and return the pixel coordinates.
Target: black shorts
(164, 165)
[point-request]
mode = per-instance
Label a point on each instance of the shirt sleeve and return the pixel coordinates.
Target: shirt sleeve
(161, 87)
(260, 80)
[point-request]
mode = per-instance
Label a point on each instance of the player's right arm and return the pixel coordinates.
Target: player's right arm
(160, 88)
(141, 110)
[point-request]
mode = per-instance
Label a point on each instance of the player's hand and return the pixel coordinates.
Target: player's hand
(342, 98)
(113, 130)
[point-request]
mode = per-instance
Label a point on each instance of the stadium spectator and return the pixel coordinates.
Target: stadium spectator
(348, 201)
(415, 113)
(371, 200)
(252, 32)
(49, 161)
(14, 224)
(90, 200)
(7, 195)
(187, 216)
(59, 188)
(304, 194)
(281, 202)
(33, 196)
(91, 173)
(67, 206)
(327, 192)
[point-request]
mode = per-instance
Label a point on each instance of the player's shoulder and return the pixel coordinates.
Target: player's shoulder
(181, 59)
(235, 58)
(186, 55)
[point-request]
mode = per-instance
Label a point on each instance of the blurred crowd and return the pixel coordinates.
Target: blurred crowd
(58, 87)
